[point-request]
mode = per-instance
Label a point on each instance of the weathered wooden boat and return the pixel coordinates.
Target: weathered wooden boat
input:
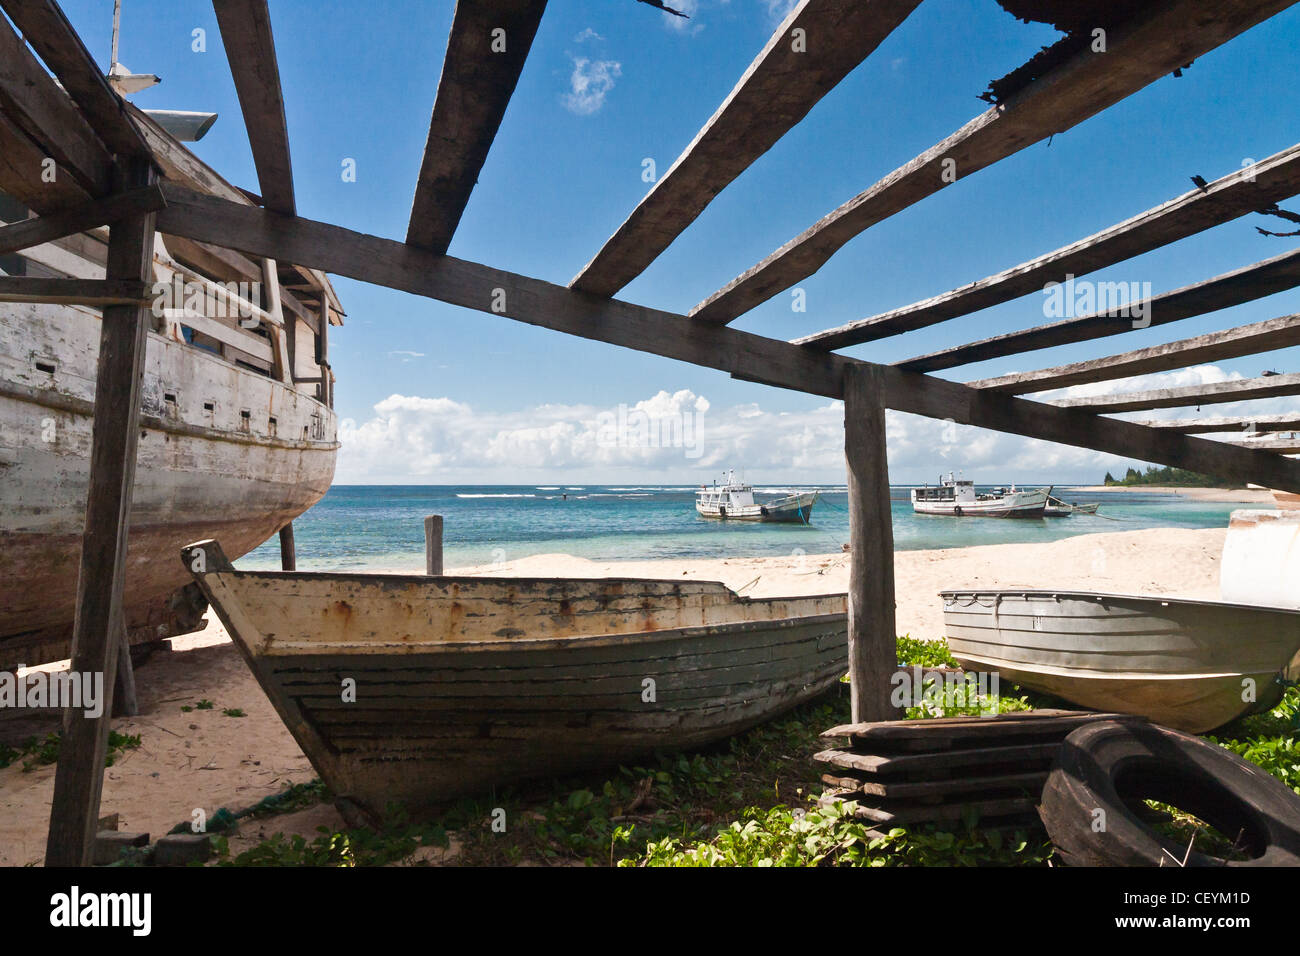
(420, 689)
(237, 432)
(734, 501)
(957, 498)
(1192, 665)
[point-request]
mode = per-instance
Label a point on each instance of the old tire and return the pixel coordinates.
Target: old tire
(1112, 766)
(957, 511)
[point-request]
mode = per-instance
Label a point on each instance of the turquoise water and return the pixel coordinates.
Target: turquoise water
(359, 527)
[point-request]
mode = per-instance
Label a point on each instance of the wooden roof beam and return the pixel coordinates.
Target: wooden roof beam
(250, 47)
(1278, 446)
(1156, 41)
(1237, 194)
(1233, 390)
(1279, 333)
(101, 212)
(397, 265)
(20, 174)
(1242, 285)
(46, 28)
(1210, 426)
(30, 97)
(477, 82)
(784, 82)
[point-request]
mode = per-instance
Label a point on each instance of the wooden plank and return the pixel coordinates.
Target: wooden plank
(400, 266)
(1279, 333)
(23, 169)
(45, 27)
(905, 789)
(1207, 426)
(33, 232)
(1242, 285)
(250, 47)
(785, 81)
(30, 97)
(79, 777)
(1280, 446)
(873, 654)
(1152, 44)
(947, 812)
(1230, 197)
(125, 701)
(74, 291)
(280, 365)
(245, 341)
(914, 762)
(478, 79)
(1049, 722)
(1236, 390)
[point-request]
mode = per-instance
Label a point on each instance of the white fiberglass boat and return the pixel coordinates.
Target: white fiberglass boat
(957, 497)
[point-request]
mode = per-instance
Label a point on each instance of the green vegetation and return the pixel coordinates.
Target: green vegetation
(1166, 477)
(234, 712)
(748, 802)
(44, 751)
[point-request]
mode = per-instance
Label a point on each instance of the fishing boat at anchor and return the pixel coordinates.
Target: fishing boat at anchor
(957, 497)
(1057, 508)
(421, 689)
(734, 501)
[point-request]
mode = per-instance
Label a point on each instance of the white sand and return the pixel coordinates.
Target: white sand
(205, 759)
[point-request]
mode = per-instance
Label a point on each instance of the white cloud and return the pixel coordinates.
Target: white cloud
(679, 437)
(778, 10)
(587, 34)
(589, 84)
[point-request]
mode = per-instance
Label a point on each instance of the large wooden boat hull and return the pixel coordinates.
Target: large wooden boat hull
(462, 684)
(1192, 665)
(202, 466)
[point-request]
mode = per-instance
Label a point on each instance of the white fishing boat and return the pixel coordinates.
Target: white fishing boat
(734, 501)
(957, 497)
(237, 425)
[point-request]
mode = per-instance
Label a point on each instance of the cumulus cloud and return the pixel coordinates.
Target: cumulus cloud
(589, 84)
(680, 437)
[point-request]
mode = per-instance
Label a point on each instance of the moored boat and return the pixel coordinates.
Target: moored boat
(421, 689)
(957, 497)
(1057, 508)
(734, 501)
(1192, 665)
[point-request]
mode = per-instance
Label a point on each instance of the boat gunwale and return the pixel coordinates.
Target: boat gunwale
(1254, 609)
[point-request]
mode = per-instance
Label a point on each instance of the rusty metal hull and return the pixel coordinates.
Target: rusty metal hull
(424, 689)
(204, 467)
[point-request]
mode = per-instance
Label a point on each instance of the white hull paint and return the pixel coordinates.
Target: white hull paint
(203, 466)
(792, 509)
(1020, 504)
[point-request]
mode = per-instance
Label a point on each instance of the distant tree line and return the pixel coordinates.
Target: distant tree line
(1166, 476)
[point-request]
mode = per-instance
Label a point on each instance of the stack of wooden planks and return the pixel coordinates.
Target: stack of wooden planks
(950, 770)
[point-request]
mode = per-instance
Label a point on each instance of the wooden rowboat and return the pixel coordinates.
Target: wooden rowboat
(1191, 665)
(419, 689)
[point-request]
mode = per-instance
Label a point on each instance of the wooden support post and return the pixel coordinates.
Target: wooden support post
(125, 702)
(79, 778)
(872, 652)
(433, 545)
(288, 554)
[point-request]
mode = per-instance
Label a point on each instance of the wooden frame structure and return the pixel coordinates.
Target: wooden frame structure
(115, 174)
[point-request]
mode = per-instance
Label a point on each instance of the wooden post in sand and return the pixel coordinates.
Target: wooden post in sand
(96, 635)
(872, 653)
(433, 545)
(288, 553)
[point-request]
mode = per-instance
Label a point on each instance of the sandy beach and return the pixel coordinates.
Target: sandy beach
(1252, 496)
(207, 759)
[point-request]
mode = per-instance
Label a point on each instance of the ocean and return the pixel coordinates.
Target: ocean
(370, 527)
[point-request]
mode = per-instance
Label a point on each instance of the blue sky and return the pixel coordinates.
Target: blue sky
(564, 172)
